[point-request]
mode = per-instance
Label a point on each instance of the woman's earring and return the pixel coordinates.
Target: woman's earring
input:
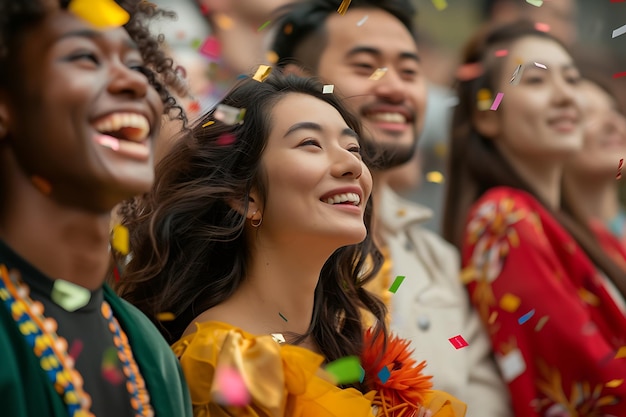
(255, 223)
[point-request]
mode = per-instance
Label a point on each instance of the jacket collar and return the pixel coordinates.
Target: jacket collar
(396, 213)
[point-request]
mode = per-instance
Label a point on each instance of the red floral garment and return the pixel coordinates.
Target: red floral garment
(559, 338)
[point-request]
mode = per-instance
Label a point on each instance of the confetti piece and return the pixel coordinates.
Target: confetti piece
(100, 13)
(621, 353)
(288, 29)
(536, 3)
(362, 375)
(440, 4)
(228, 114)
(517, 75)
(619, 169)
(396, 284)
(345, 370)
(262, 73)
(209, 123)
(70, 296)
(75, 349)
(120, 239)
(362, 21)
(526, 317)
(343, 7)
(619, 74)
(588, 297)
(278, 337)
(272, 57)
(434, 177)
(166, 316)
(378, 74)
(614, 383)
(281, 316)
(510, 302)
(501, 53)
(229, 387)
(328, 89)
(619, 31)
(483, 99)
(511, 365)
(492, 317)
(467, 72)
(538, 65)
(226, 139)
(458, 342)
(110, 367)
(542, 27)
(224, 21)
(496, 102)
(542, 321)
(264, 25)
(41, 184)
(211, 48)
(384, 375)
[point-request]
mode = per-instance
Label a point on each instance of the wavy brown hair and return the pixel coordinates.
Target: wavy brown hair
(16, 16)
(189, 251)
(476, 165)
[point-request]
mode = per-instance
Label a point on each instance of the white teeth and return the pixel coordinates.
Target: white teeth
(388, 117)
(344, 198)
(132, 126)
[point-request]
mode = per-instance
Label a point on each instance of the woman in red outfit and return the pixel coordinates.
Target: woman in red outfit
(547, 293)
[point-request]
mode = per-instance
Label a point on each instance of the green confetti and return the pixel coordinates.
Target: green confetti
(396, 284)
(263, 26)
(70, 296)
(196, 43)
(345, 370)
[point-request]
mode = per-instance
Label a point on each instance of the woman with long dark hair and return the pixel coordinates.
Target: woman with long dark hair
(545, 290)
(254, 240)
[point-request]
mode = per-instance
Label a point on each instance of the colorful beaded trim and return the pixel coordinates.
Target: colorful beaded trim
(51, 350)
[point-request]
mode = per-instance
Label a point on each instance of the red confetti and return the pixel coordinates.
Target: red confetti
(211, 48)
(458, 342)
(619, 74)
(467, 72)
(619, 169)
(75, 349)
(226, 139)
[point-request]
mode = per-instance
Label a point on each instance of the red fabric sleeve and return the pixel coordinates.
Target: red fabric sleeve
(541, 301)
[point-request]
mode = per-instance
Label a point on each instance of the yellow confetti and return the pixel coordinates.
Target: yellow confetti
(614, 383)
(224, 22)
(434, 176)
(378, 74)
(120, 239)
(621, 353)
(343, 7)
(510, 302)
(440, 4)
(484, 99)
(542, 322)
(262, 73)
(209, 123)
(167, 316)
(588, 297)
(272, 57)
(100, 13)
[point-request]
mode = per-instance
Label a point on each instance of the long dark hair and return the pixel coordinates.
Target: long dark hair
(16, 16)
(476, 165)
(189, 252)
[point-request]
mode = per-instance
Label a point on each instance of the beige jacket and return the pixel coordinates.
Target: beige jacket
(432, 306)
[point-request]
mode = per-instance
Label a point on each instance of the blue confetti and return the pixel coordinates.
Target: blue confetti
(526, 317)
(362, 376)
(384, 375)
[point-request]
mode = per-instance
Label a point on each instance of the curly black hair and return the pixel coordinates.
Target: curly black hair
(18, 15)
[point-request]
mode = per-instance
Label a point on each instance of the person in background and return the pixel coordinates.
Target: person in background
(81, 103)
(370, 57)
(593, 175)
(254, 238)
(550, 298)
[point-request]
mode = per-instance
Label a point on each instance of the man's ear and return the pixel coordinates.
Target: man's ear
(487, 123)
(296, 69)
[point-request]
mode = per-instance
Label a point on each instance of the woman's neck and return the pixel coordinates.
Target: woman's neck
(596, 198)
(62, 243)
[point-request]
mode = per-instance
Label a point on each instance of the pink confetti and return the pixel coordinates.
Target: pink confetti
(226, 139)
(542, 27)
(230, 388)
(458, 342)
(501, 52)
(211, 48)
(496, 102)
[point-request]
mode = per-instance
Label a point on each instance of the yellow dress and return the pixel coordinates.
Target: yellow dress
(283, 380)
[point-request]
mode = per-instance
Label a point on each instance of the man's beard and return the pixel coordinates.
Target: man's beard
(381, 156)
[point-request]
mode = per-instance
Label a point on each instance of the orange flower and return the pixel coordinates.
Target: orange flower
(402, 394)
